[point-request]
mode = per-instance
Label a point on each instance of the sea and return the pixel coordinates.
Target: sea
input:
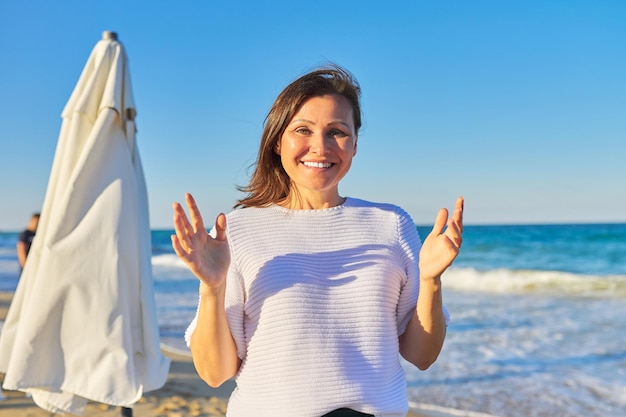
(538, 320)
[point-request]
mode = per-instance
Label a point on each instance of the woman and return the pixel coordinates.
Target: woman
(307, 297)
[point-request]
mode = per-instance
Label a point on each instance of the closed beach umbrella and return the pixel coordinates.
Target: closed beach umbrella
(82, 325)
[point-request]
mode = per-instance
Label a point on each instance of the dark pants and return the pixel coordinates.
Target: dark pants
(346, 412)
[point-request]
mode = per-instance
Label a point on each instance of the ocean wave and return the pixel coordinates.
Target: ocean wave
(503, 281)
(530, 281)
(169, 260)
(169, 268)
(8, 253)
(435, 410)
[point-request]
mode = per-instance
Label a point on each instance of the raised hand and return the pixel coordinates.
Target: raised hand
(440, 247)
(207, 257)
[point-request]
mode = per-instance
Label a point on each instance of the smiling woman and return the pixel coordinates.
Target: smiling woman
(308, 297)
(324, 104)
(316, 152)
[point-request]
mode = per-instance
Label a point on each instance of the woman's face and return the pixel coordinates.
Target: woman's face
(316, 149)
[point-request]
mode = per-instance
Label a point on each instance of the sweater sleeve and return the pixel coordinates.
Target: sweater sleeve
(410, 244)
(194, 322)
(235, 304)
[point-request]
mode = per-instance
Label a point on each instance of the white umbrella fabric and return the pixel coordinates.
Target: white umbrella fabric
(82, 324)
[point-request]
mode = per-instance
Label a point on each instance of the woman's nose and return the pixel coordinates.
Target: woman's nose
(319, 143)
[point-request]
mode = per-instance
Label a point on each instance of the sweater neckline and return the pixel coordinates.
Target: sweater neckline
(321, 211)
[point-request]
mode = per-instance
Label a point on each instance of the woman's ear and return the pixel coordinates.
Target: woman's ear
(356, 142)
(277, 148)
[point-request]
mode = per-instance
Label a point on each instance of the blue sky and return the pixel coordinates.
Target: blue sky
(517, 105)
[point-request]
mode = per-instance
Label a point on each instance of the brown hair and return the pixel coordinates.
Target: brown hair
(269, 182)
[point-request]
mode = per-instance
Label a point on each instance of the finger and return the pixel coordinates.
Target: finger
(440, 221)
(177, 247)
(220, 227)
(194, 212)
(458, 213)
(454, 233)
(181, 223)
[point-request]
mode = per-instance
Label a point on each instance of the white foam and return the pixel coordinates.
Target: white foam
(505, 281)
(432, 410)
(168, 260)
(169, 267)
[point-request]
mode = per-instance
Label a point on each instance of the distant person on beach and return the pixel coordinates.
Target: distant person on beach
(25, 239)
(308, 297)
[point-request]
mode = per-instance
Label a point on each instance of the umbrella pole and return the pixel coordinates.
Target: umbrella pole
(127, 412)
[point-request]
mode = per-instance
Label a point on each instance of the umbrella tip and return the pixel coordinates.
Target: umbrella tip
(108, 35)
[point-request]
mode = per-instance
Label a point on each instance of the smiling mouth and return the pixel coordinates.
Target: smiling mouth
(317, 164)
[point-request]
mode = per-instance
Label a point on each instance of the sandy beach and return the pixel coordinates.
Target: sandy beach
(184, 394)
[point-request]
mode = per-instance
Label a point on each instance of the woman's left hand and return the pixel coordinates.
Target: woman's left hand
(441, 247)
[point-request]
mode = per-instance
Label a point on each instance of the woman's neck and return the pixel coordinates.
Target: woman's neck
(297, 201)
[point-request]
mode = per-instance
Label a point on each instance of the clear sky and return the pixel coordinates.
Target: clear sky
(520, 106)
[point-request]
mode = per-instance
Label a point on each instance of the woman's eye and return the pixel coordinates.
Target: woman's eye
(338, 134)
(303, 131)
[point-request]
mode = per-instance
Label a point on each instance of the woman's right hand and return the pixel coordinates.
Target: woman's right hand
(207, 257)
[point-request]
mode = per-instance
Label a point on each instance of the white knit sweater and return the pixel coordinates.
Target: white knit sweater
(316, 300)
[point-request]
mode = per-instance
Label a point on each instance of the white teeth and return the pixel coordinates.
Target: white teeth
(317, 164)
